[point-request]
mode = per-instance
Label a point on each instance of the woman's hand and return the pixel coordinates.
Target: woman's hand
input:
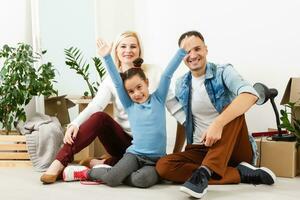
(103, 48)
(71, 134)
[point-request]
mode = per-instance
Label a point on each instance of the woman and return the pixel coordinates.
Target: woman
(114, 134)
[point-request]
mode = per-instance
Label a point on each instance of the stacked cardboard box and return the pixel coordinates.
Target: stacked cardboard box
(283, 158)
(292, 94)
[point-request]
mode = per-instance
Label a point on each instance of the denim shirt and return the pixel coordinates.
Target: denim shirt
(223, 83)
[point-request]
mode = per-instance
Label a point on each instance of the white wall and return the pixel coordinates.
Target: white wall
(113, 17)
(15, 23)
(15, 27)
(260, 38)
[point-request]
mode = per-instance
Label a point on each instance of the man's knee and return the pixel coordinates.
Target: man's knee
(163, 167)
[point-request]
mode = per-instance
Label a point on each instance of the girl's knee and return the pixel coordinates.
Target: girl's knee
(143, 180)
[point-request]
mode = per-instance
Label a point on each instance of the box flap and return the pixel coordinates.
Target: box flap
(54, 97)
(292, 92)
(58, 106)
(69, 103)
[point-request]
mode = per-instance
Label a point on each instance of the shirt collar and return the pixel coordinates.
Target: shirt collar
(210, 70)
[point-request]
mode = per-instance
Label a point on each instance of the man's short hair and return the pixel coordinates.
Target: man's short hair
(190, 33)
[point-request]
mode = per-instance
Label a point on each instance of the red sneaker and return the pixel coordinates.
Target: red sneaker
(75, 173)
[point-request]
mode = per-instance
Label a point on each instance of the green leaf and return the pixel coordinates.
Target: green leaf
(289, 121)
(20, 81)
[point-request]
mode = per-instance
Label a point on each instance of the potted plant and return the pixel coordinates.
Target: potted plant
(76, 61)
(20, 81)
(289, 120)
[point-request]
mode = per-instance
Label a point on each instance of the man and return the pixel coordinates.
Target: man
(214, 98)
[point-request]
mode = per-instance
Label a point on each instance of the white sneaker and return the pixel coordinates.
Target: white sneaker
(75, 173)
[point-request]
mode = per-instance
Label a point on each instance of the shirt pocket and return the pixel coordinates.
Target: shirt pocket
(220, 92)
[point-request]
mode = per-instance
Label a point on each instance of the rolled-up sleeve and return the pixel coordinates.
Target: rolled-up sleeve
(236, 83)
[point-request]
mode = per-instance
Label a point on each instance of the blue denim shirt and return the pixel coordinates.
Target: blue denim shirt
(223, 83)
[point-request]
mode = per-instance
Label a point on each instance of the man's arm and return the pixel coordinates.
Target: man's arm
(180, 138)
(238, 106)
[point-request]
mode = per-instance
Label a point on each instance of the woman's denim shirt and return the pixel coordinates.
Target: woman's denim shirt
(223, 83)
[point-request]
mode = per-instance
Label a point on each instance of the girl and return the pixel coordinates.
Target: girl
(147, 118)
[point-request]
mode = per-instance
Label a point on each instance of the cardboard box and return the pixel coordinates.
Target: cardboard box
(292, 94)
(280, 157)
(58, 106)
(298, 161)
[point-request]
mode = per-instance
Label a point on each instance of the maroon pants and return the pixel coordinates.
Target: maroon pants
(109, 132)
(222, 158)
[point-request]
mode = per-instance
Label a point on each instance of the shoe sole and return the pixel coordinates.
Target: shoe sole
(268, 171)
(48, 179)
(91, 182)
(102, 166)
(192, 193)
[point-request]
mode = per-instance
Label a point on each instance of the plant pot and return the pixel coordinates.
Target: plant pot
(86, 97)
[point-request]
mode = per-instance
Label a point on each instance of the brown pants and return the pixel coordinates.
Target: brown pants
(222, 158)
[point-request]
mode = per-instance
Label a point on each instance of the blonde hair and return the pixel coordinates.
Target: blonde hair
(119, 39)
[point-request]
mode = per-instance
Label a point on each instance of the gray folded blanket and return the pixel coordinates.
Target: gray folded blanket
(44, 137)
